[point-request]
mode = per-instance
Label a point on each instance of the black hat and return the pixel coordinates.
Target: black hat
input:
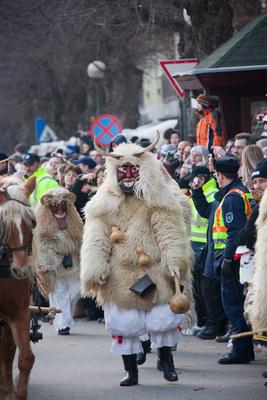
(198, 170)
(261, 170)
(4, 157)
(86, 161)
(184, 183)
(144, 142)
(30, 158)
(228, 164)
(119, 139)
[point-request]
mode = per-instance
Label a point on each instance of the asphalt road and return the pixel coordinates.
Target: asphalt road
(81, 366)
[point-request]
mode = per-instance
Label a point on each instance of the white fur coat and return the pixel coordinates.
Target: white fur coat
(153, 218)
(257, 312)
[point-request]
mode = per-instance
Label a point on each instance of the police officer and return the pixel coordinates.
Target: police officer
(227, 216)
(235, 202)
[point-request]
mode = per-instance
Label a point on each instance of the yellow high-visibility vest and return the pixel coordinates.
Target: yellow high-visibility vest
(199, 225)
(219, 230)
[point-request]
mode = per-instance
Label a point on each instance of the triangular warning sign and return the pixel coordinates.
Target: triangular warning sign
(48, 135)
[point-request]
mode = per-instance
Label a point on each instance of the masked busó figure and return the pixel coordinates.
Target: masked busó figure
(57, 244)
(135, 242)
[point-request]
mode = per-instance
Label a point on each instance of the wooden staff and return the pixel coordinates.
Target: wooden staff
(45, 310)
(249, 333)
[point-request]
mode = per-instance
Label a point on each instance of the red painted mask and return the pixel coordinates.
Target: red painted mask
(127, 175)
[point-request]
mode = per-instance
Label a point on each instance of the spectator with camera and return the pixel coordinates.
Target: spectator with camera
(198, 155)
(207, 294)
(85, 184)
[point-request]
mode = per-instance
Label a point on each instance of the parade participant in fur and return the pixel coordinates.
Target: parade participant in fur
(257, 306)
(253, 238)
(58, 241)
(258, 312)
(134, 244)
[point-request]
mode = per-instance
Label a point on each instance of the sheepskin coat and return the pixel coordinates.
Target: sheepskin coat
(51, 243)
(257, 311)
(152, 218)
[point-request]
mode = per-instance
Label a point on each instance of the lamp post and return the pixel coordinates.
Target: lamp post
(96, 71)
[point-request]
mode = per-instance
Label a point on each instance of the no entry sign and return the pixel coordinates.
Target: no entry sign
(104, 128)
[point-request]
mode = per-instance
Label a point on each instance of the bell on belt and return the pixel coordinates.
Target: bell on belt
(143, 258)
(116, 235)
(179, 302)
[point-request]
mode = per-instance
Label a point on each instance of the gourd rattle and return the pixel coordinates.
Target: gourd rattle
(179, 302)
(143, 258)
(116, 235)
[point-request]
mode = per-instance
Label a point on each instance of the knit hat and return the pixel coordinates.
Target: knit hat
(207, 101)
(260, 170)
(202, 150)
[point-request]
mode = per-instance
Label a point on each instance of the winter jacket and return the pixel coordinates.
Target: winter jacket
(209, 129)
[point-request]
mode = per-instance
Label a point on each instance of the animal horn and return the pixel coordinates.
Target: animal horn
(104, 154)
(150, 147)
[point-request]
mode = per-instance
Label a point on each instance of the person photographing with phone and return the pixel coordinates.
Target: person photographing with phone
(210, 314)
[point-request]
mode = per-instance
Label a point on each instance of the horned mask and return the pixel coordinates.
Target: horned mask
(129, 159)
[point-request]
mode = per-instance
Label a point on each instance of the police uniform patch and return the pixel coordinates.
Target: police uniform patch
(229, 217)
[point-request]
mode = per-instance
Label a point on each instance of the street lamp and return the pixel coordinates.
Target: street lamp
(96, 71)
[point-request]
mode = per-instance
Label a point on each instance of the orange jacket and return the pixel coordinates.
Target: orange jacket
(209, 129)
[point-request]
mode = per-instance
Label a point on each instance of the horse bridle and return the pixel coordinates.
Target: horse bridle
(28, 245)
(5, 249)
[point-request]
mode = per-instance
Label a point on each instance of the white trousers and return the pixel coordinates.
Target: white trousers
(127, 325)
(65, 295)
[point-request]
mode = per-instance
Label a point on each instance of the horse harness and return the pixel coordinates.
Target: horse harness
(6, 268)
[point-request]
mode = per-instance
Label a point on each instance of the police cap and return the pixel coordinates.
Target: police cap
(227, 164)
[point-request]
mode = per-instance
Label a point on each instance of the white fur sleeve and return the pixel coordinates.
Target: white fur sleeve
(170, 233)
(95, 254)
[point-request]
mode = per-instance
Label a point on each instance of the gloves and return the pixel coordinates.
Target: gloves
(227, 268)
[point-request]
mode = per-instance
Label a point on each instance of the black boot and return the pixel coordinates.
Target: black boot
(166, 358)
(159, 361)
(130, 366)
(141, 357)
